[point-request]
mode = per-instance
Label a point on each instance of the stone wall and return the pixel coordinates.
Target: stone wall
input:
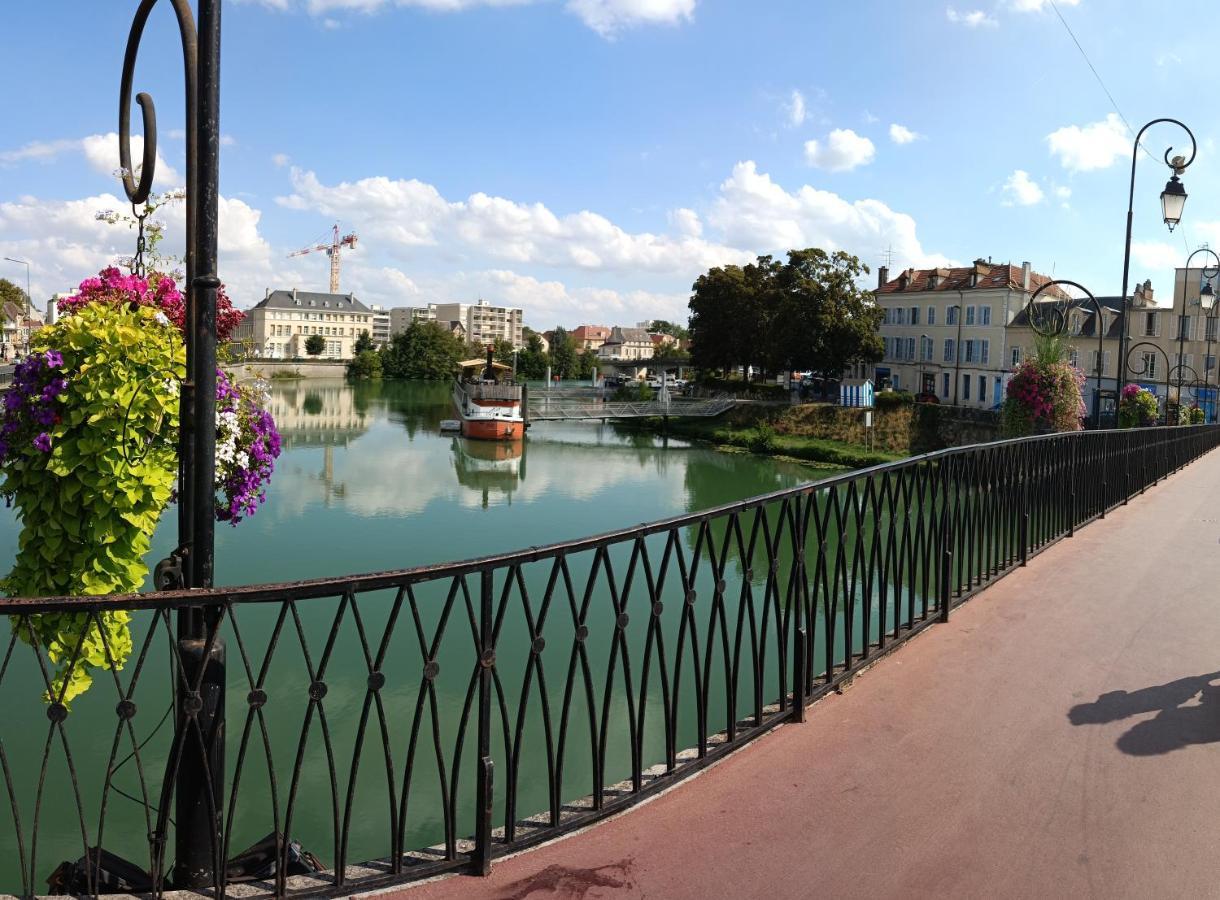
(915, 428)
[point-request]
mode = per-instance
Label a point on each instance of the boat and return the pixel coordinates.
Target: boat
(489, 405)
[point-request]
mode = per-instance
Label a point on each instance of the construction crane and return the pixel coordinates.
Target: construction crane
(332, 250)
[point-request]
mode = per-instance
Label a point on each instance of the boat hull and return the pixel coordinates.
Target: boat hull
(489, 412)
(493, 429)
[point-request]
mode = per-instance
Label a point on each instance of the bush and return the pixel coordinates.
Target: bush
(893, 399)
(1197, 416)
(763, 438)
(367, 364)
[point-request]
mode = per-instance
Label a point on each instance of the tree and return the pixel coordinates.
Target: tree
(563, 354)
(11, 293)
(502, 350)
(426, 350)
(661, 326)
(367, 364)
(533, 360)
(821, 320)
(364, 343)
(315, 344)
(730, 312)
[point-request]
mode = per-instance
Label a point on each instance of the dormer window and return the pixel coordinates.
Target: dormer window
(933, 280)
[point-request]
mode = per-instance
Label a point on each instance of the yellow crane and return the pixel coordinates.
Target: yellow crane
(332, 250)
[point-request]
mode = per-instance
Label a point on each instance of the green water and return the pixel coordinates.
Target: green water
(368, 483)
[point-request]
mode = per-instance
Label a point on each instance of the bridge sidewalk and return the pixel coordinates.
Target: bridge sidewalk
(1060, 737)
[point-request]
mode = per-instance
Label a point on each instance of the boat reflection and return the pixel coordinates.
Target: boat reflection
(487, 466)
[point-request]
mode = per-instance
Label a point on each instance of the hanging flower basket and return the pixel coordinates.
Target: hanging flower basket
(1043, 397)
(88, 455)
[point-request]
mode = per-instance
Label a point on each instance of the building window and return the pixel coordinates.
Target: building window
(1016, 357)
(944, 387)
(984, 350)
(1210, 363)
(1149, 365)
(949, 350)
(910, 348)
(1183, 328)
(969, 315)
(951, 315)
(1074, 357)
(1150, 324)
(983, 388)
(914, 315)
(965, 387)
(931, 315)
(984, 315)
(969, 351)
(1211, 328)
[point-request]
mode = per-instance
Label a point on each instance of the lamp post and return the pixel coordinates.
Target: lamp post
(28, 299)
(1173, 200)
(1206, 301)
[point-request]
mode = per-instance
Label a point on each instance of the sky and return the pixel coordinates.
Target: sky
(588, 159)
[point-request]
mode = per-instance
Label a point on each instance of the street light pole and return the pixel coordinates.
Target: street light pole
(1204, 305)
(28, 299)
(1173, 199)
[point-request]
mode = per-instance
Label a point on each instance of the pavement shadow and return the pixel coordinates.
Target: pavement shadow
(1187, 712)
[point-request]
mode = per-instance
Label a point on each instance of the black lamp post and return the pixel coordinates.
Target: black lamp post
(1207, 299)
(1173, 200)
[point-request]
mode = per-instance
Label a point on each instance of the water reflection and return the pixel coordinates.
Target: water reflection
(489, 466)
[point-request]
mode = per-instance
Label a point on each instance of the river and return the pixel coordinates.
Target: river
(366, 482)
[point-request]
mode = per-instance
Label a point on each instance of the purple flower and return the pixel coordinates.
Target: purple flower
(54, 359)
(43, 442)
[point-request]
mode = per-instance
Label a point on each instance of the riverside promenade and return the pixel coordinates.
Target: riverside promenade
(1059, 737)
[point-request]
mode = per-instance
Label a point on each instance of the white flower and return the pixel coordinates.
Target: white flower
(161, 318)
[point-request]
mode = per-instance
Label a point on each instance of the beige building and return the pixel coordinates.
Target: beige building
(279, 325)
(625, 345)
(484, 323)
(945, 329)
(381, 326)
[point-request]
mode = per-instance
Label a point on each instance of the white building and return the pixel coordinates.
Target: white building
(626, 344)
(278, 327)
(484, 323)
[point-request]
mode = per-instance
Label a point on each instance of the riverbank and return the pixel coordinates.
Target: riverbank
(754, 429)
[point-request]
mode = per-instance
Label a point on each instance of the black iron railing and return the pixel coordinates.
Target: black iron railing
(407, 723)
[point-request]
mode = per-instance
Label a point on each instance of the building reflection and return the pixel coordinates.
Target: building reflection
(318, 415)
(489, 466)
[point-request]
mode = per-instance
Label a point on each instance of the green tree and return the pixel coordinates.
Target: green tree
(661, 326)
(503, 351)
(564, 361)
(364, 343)
(315, 344)
(586, 362)
(425, 350)
(533, 360)
(819, 318)
(730, 315)
(367, 364)
(11, 293)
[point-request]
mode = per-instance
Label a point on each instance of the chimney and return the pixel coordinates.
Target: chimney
(294, 294)
(883, 275)
(267, 296)
(1025, 276)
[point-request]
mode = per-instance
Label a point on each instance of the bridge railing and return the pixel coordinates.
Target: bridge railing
(411, 722)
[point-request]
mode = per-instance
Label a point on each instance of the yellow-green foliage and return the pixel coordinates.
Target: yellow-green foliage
(88, 508)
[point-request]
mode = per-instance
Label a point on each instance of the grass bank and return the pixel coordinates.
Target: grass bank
(753, 429)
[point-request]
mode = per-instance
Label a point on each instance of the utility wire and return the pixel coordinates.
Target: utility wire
(1097, 75)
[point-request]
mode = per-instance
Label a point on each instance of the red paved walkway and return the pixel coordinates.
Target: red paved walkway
(1059, 738)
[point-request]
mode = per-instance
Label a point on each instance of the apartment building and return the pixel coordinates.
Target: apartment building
(403, 317)
(279, 325)
(381, 326)
(484, 322)
(945, 330)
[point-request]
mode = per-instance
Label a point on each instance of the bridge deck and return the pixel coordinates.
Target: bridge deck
(542, 410)
(1060, 737)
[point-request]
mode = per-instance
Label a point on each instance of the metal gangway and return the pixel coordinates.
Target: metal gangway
(542, 408)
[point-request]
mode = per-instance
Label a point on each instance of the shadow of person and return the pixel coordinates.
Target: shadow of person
(1187, 712)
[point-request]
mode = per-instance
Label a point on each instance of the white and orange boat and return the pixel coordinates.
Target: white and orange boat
(489, 405)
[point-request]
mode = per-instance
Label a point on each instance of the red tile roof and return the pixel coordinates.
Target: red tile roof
(591, 333)
(990, 277)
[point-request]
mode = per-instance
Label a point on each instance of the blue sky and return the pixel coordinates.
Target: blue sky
(587, 159)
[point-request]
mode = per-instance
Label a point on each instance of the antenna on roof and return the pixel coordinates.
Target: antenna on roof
(888, 253)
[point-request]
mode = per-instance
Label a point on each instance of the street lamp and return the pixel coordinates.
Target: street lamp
(1207, 299)
(1173, 200)
(28, 300)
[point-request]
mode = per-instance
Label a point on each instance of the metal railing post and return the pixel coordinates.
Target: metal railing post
(484, 781)
(1024, 529)
(946, 544)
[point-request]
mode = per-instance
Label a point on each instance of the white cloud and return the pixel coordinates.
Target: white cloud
(900, 134)
(101, 152)
(606, 17)
(754, 211)
(409, 214)
(795, 109)
(281, 159)
(1156, 255)
(842, 151)
(1021, 190)
(974, 18)
(1095, 146)
(686, 221)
